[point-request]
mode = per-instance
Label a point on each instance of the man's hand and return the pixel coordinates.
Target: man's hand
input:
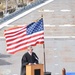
(29, 63)
(35, 63)
(32, 63)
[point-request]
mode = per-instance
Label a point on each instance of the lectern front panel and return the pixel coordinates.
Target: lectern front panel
(34, 69)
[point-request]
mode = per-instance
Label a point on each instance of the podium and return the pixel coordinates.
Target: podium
(35, 69)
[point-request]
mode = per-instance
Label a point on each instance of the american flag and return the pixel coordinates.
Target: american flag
(20, 38)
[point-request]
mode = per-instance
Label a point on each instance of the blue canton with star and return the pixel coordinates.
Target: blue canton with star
(35, 27)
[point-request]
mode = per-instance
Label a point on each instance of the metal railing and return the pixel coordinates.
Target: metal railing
(21, 10)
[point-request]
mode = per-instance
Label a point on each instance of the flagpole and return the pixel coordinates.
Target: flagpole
(44, 51)
(44, 57)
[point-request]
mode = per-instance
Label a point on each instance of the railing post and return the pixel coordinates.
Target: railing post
(63, 71)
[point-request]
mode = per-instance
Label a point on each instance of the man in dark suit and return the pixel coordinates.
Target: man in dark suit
(28, 58)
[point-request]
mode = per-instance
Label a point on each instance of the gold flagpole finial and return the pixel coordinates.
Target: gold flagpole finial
(42, 16)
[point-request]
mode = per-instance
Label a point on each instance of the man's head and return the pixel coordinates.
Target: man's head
(30, 49)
